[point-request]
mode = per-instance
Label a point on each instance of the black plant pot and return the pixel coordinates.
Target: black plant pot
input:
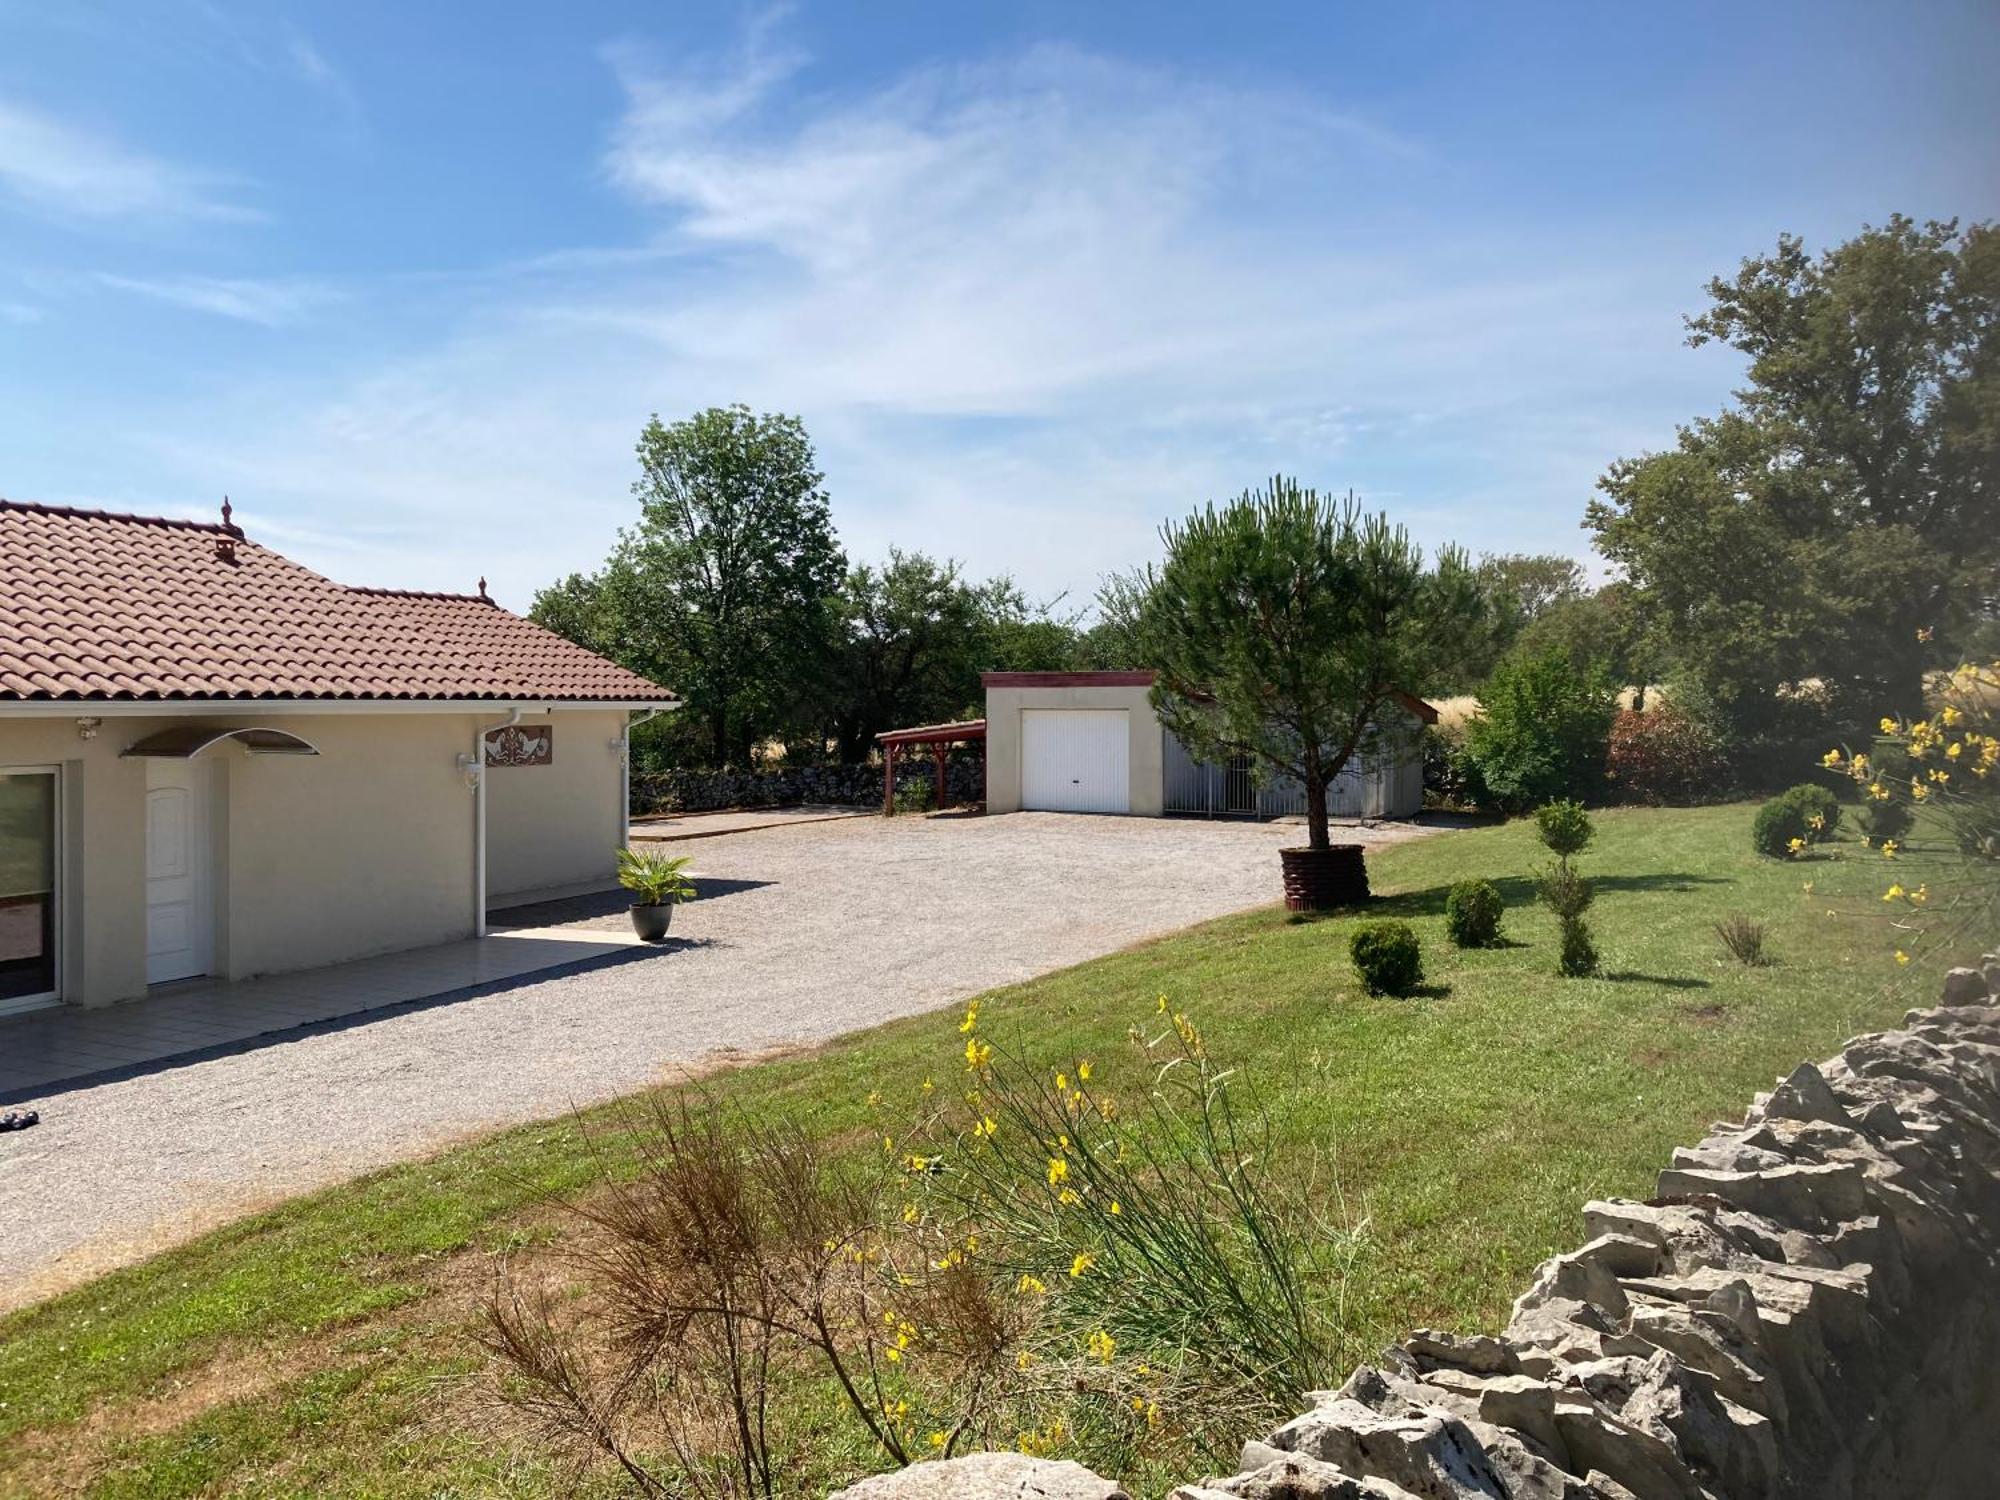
(1321, 879)
(652, 922)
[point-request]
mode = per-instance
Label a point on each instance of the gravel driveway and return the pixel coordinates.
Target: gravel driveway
(806, 932)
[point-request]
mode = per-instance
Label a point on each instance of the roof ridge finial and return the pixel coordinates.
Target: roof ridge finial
(227, 524)
(482, 586)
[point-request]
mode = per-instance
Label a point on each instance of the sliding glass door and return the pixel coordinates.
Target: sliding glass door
(27, 888)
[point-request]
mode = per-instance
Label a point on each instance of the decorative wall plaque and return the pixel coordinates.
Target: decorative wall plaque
(521, 745)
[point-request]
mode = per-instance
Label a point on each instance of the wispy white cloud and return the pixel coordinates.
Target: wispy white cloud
(57, 167)
(269, 303)
(1028, 307)
(706, 93)
(992, 237)
(312, 66)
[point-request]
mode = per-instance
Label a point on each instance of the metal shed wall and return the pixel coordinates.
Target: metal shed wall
(1371, 787)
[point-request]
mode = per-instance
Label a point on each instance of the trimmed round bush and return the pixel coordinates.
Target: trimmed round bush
(1563, 827)
(1387, 956)
(1779, 821)
(1472, 911)
(1815, 803)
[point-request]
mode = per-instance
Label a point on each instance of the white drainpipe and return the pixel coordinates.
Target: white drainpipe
(623, 745)
(475, 765)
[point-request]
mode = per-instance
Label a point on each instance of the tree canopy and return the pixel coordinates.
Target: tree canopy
(1286, 625)
(1846, 502)
(732, 589)
(1518, 589)
(725, 586)
(910, 648)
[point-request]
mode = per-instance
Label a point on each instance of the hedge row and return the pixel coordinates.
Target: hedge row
(842, 786)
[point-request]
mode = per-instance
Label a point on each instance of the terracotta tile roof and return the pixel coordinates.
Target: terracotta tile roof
(97, 605)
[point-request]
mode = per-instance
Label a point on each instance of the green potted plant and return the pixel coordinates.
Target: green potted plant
(658, 883)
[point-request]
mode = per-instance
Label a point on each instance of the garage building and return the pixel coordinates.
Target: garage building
(1090, 742)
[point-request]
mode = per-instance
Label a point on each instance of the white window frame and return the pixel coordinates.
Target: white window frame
(15, 1004)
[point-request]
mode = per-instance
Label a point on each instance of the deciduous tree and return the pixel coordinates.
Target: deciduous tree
(724, 590)
(1848, 499)
(910, 637)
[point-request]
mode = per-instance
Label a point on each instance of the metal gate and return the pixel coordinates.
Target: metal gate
(1369, 787)
(1239, 791)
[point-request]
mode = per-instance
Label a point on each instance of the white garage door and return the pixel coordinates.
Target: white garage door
(1076, 760)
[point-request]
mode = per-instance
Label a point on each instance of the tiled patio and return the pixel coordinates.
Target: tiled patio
(67, 1044)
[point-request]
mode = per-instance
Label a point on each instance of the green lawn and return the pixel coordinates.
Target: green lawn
(321, 1348)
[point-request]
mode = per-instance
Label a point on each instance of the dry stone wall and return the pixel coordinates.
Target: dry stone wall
(1809, 1307)
(841, 786)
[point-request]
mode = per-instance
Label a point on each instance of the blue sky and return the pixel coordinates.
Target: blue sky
(405, 280)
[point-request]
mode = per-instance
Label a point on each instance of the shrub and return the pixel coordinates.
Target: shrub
(1779, 831)
(1743, 938)
(1451, 780)
(1887, 819)
(1886, 771)
(913, 797)
(1472, 913)
(1564, 828)
(1938, 772)
(1818, 807)
(1578, 959)
(1542, 731)
(1565, 892)
(1388, 957)
(1663, 755)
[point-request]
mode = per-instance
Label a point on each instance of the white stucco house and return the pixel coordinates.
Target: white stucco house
(214, 761)
(1090, 742)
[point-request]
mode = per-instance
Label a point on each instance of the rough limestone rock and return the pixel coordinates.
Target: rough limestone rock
(1292, 1477)
(1479, 1353)
(1729, 1448)
(1803, 1095)
(1965, 987)
(1432, 1454)
(1809, 1309)
(986, 1476)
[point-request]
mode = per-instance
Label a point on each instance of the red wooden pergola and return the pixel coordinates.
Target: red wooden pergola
(940, 737)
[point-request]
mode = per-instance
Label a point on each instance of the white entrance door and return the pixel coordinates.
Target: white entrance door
(1076, 760)
(180, 909)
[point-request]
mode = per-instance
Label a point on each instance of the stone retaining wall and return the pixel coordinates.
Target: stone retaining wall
(842, 786)
(1810, 1307)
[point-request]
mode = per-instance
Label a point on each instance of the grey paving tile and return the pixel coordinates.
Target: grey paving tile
(46, 1047)
(76, 1064)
